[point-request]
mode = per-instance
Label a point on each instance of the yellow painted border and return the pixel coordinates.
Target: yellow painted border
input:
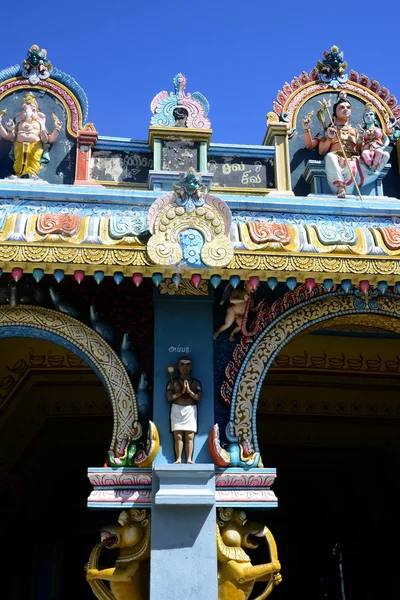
(242, 190)
(123, 184)
(329, 89)
(51, 92)
(178, 133)
(129, 260)
(98, 352)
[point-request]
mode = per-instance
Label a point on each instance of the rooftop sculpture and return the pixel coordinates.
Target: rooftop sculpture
(179, 109)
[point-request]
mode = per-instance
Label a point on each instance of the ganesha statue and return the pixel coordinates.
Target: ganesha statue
(30, 138)
(354, 156)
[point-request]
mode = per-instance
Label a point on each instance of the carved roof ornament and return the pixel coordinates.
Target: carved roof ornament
(330, 73)
(186, 208)
(35, 67)
(190, 192)
(179, 109)
(332, 68)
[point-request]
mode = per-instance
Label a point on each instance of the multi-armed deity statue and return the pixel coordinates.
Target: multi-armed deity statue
(184, 393)
(354, 156)
(30, 137)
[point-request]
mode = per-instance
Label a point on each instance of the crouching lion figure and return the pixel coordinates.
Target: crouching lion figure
(130, 578)
(236, 574)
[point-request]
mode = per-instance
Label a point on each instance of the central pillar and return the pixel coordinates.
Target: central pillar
(183, 515)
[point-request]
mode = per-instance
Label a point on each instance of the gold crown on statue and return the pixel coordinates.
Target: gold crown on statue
(30, 99)
(368, 107)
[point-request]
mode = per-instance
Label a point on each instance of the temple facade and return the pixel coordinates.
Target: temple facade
(199, 342)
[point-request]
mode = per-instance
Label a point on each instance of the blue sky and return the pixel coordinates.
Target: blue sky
(238, 54)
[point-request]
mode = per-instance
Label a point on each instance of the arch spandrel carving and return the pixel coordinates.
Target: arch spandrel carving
(36, 322)
(381, 311)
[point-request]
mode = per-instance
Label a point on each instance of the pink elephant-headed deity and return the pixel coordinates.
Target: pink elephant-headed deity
(373, 140)
(30, 137)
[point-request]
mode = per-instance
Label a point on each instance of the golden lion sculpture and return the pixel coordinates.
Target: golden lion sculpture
(236, 574)
(130, 578)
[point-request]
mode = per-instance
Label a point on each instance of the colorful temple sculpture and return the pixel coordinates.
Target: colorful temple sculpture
(180, 322)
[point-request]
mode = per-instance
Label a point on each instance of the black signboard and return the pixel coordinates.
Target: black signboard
(120, 166)
(241, 172)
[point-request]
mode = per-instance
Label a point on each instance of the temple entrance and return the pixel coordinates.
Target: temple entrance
(327, 418)
(55, 421)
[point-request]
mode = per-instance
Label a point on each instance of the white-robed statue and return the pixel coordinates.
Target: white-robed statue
(345, 164)
(184, 393)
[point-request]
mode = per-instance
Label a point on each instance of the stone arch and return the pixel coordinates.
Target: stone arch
(37, 322)
(382, 311)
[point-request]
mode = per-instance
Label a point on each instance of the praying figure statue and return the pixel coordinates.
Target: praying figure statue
(184, 392)
(30, 138)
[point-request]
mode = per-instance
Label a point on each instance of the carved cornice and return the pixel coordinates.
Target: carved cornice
(113, 488)
(30, 256)
(179, 133)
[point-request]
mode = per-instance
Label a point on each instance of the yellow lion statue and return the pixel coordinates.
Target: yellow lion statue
(130, 577)
(236, 574)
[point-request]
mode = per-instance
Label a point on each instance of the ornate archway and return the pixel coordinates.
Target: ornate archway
(373, 309)
(36, 322)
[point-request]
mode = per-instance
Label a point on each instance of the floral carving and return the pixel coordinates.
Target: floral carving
(262, 232)
(332, 233)
(67, 225)
(391, 237)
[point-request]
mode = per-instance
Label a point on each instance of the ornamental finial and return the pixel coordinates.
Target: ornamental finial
(332, 68)
(35, 67)
(179, 109)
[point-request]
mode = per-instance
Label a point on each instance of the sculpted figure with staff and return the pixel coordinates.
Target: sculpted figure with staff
(345, 167)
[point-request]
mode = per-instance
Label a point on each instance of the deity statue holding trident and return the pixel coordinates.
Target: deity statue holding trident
(341, 142)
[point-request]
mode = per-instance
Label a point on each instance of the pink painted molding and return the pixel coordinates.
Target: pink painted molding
(121, 497)
(114, 488)
(120, 477)
(127, 487)
(245, 497)
(244, 480)
(244, 488)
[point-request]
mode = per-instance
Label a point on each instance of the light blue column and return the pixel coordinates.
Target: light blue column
(157, 155)
(183, 325)
(183, 515)
(183, 538)
(203, 157)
